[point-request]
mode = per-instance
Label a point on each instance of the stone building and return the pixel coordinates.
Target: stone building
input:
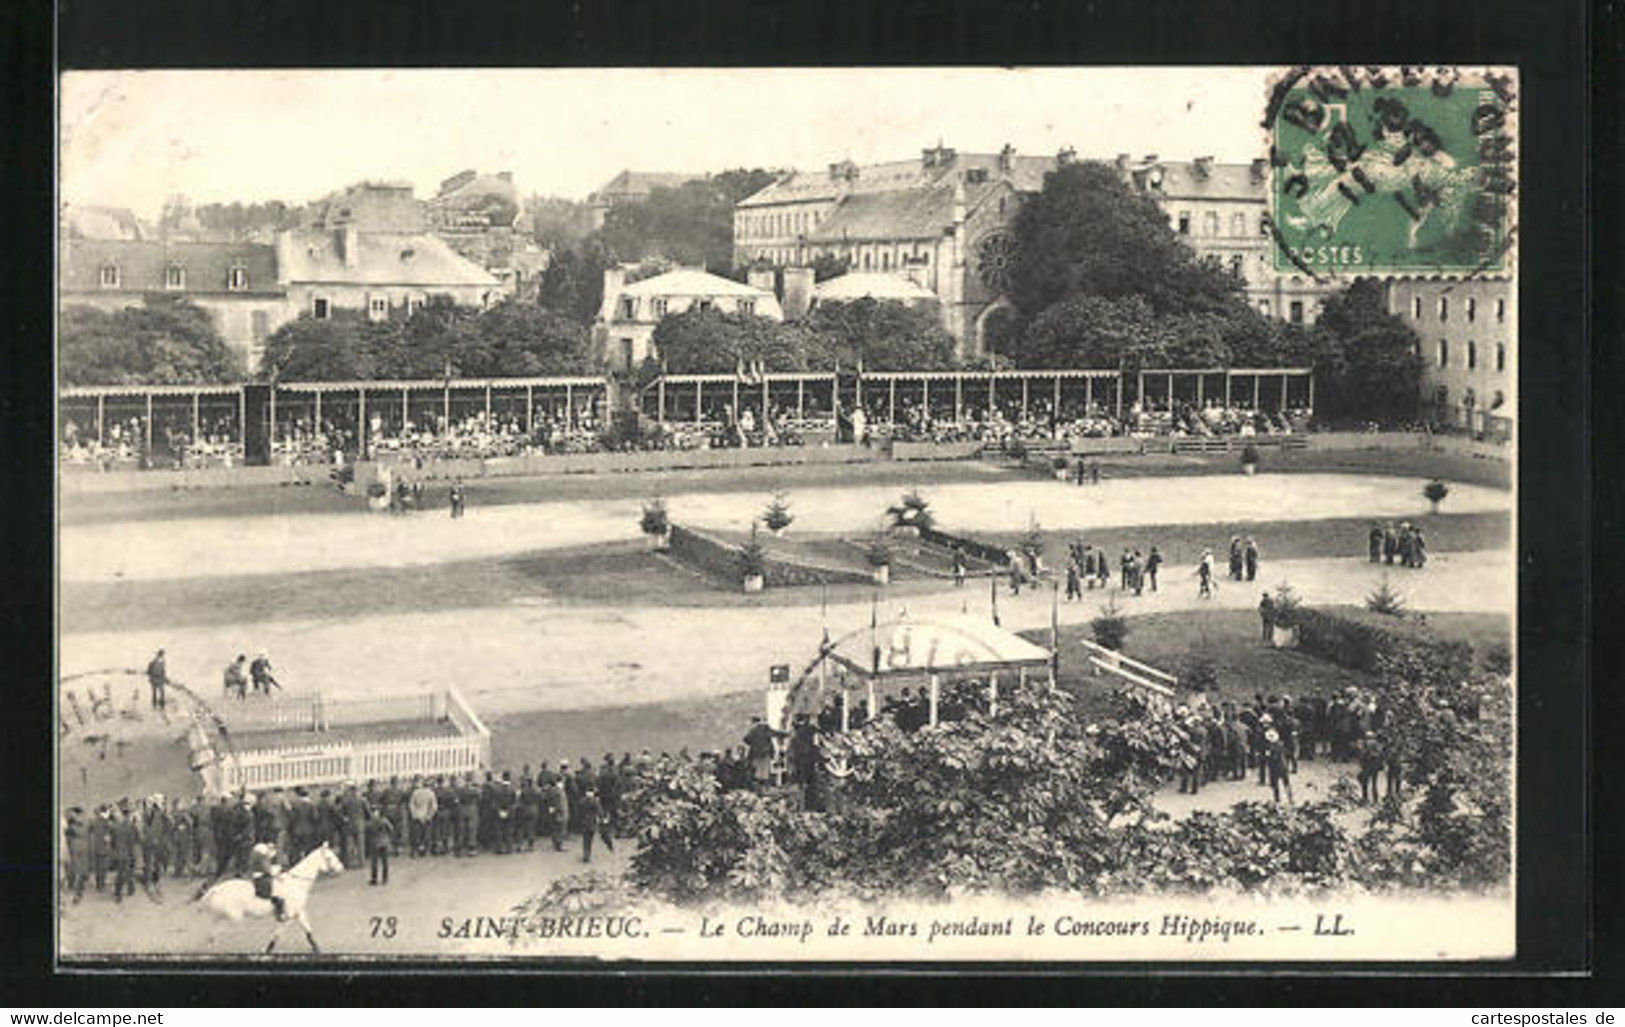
(1467, 338)
(479, 217)
(630, 187)
(1219, 211)
(384, 274)
(626, 322)
(941, 221)
(237, 283)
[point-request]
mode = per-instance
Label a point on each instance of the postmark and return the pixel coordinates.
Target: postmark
(1393, 171)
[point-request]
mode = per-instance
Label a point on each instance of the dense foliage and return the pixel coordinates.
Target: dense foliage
(882, 334)
(511, 338)
(1031, 798)
(165, 341)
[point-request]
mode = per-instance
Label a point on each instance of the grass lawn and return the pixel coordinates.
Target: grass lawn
(1231, 640)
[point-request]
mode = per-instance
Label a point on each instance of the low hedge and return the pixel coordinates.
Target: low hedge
(1354, 638)
(980, 550)
(721, 560)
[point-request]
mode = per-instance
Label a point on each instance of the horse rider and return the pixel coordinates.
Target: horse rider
(264, 866)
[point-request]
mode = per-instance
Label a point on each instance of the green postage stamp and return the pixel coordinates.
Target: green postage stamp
(1393, 171)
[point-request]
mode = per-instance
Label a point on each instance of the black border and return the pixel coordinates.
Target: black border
(1547, 40)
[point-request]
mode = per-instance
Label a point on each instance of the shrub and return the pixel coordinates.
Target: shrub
(1498, 659)
(912, 511)
(752, 555)
(1110, 626)
(1355, 639)
(1200, 675)
(655, 520)
(1249, 454)
(777, 516)
(1386, 600)
(1434, 492)
(1032, 540)
(1059, 463)
(1287, 606)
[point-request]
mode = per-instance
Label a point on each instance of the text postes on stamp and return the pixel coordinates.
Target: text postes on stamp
(1380, 171)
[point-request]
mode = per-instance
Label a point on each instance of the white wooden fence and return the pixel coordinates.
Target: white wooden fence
(1157, 685)
(325, 760)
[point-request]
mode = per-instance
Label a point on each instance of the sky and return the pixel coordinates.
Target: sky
(132, 138)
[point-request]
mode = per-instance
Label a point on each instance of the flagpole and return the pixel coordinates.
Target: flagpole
(1055, 632)
(993, 595)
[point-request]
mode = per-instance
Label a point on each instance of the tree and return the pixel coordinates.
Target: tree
(168, 340)
(714, 342)
(1095, 332)
(829, 265)
(1087, 231)
(1365, 359)
(338, 348)
(514, 338)
(573, 284)
(882, 335)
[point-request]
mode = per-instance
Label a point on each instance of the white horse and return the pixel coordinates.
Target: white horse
(235, 899)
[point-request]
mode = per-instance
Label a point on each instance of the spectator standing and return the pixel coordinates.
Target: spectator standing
(157, 678)
(380, 844)
(1153, 563)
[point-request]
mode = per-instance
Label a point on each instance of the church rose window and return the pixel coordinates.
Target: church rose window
(994, 255)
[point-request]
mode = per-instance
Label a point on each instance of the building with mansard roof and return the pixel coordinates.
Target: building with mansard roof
(941, 221)
(631, 187)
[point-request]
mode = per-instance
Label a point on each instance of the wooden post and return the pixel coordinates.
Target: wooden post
(935, 697)
(149, 425)
(1119, 395)
(766, 395)
(318, 408)
(1055, 406)
(1139, 393)
(1256, 377)
(992, 392)
(361, 423)
(993, 694)
(846, 707)
(488, 405)
(1311, 390)
(801, 398)
(660, 401)
(891, 401)
(101, 414)
(1170, 392)
(445, 403)
(242, 420)
(1088, 393)
(197, 418)
(736, 400)
(1284, 379)
(959, 399)
(698, 406)
(874, 708)
(530, 411)
(273, 418)
(1227, 388)
(569, 408)
(925, 397)
(1201, 382)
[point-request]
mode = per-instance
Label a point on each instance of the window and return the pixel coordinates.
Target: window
(1210, 224)
(628, 308)
(377, 308)
(110, 276)
(703, 304)
(1264, 307)
(1444, 309)
(1297, 312)
(866, 261)
(237, 279)
(1472, 309)
(414, 303)
(1184, 223)
(626, 353)
(747, 306)
(259, 325)
(885, 262)
(319, 308)
(1501, 310)
(659, 306)
(1472, 355)
(174, 277)
(1416, 307)
(1500, 356)
(1238, 224)
(1235, 265)
(1444, 352)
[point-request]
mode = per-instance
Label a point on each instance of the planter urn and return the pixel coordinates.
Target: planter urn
(1249, 469)
(754, 582)
(1283, 637)
(883, 574)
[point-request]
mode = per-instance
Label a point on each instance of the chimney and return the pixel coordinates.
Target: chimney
(614, 282)
(798, 291)
(1150, 159)
(1007, 158)
(1204, 167)
(959, 205)
(1123, 161)
(1066, 156)
(1260, 166)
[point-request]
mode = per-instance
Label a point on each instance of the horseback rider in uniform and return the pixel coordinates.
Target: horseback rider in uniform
(264, 866)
